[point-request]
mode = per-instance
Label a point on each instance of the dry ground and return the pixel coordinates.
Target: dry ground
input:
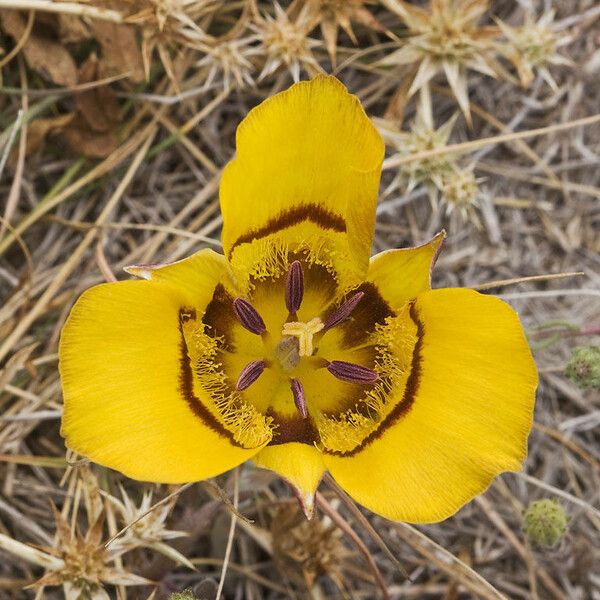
(95, 178)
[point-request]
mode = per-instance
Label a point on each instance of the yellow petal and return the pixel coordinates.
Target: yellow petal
(194, 278)
(464, 417)
(400, 275)
(130, 399)
(306, 175)
(302, 465)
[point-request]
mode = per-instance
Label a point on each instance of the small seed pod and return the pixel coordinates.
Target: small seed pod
(545, 522)
(185, 595)
(584, 367)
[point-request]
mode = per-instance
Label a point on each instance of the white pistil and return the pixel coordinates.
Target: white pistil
(304, 332)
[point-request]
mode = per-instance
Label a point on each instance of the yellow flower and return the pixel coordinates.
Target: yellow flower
(296, 350)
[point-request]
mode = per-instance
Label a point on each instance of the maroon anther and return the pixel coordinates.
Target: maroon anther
(347, 371)
(248, 316)
(250, 373)
(342, 312)
(294, 287)
(299, 398)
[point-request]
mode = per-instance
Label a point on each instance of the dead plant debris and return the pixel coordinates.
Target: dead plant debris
(116, 119)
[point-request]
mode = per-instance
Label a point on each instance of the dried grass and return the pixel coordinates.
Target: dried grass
(68, 221)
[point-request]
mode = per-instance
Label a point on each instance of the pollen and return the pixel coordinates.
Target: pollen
(305, 333)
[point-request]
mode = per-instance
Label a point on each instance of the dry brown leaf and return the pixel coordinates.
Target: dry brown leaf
(92, 131)
(40, 129)
(72, 29)
(84, 140)
(121, 52)
(43, 54)
(98, 106)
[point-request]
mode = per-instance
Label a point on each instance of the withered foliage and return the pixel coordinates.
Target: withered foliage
(453, 87)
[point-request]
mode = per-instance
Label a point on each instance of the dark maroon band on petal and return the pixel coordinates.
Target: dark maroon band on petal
(299, 397)
(411, 389)
(250, 373)
(294, 287)
(311, 212)
(342, 312)
(351, 372)
(248, 316)
(186, 384)
(371, 311)
(292, 428)
(220, 319)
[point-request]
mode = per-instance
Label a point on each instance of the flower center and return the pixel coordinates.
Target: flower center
(304, 333)
(298, 342)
